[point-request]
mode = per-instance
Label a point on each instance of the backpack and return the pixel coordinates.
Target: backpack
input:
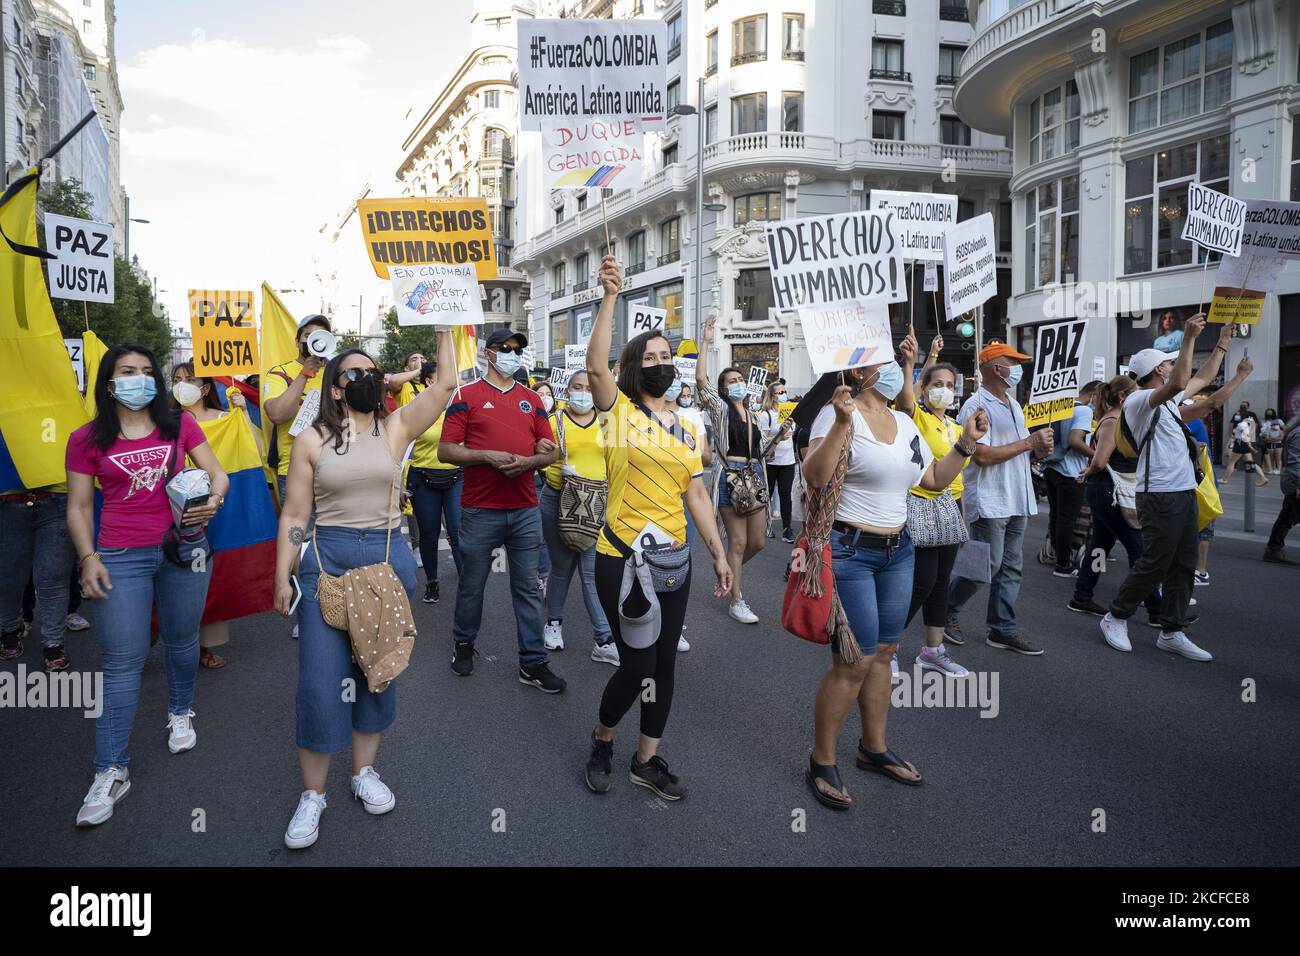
(1130, 448)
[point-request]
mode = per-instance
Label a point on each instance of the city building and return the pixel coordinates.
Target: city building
(96, 21)
(1112, 107)
(20, 102)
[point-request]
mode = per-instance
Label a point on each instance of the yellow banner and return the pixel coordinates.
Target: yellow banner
(427, 229)
(224, 332)
(1240, 306)
(784, 410)
(1044, 413)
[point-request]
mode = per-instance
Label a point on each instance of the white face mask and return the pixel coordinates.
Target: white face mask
(186, 394)
(548, 403)
(939, 397)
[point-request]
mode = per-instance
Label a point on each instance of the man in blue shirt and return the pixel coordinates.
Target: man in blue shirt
(1069, 458)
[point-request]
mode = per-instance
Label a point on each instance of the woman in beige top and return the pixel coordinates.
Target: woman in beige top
(349, 464)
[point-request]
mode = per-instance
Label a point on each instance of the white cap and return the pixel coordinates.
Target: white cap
(1145, 362)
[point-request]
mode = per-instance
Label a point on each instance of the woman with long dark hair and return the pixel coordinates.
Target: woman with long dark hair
(349, 463)
(135, 444)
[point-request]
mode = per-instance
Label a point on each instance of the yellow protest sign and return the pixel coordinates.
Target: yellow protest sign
(414, 231)
(784, 410)
(1044, 413)
(224, 332)
(1241, 306)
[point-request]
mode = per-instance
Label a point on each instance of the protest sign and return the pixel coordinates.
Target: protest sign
(1098, 368)
(919, 220)
(1057, 370)
(606, 152)
(575, 357)
(78, 361)
(969, 264)
(1241, 286)
(644, 318)
(1272, 228)
(415, 231)
(686, 369)
(757, 382)
(436, 295)
(527, 359)
(824, 259)
(82, 267)
(847, 335)
(784, 410)
(223, 332)
(560, 380)
(307, 413)
(931, 283)
(1214, 220)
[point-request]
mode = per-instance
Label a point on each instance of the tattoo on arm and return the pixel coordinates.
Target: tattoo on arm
(297, 536)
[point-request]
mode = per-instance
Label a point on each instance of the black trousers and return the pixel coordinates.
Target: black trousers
(781, 477)
(1065, 498)
(1168, 559)
(930, 574)
(1287, 519)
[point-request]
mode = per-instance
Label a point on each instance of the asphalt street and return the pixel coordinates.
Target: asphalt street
(489, 772)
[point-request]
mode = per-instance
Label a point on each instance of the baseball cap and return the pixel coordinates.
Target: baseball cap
(500, 336)
(1144, 363)
(318, 318)
(997, 350)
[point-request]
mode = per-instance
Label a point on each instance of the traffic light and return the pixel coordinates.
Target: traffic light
(966, 330)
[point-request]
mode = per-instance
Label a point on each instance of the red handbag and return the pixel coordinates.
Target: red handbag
(805, 614)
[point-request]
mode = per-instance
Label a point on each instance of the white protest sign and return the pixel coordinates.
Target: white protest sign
(78, 361)
(83, 265)
(584, 69)
(1272, 228)
(1255, 272)
(436, 294)
(644, 318)
(1214, 220)
(686, 369)
(575, 357)
(605, 153)
(757, 381)
(970, 264)
(919, 220)
(560, 379)
(1057, 372)
(307, 413)
(931, 277)
(1098, 368)
(847, 335)
(824, 259)
(527, 360)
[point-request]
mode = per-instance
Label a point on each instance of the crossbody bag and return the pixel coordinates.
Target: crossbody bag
(747, 489)
(581, 512)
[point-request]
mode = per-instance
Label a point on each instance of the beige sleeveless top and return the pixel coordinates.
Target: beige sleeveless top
(354, 485)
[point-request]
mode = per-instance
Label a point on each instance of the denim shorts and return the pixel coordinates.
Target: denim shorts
(1206, 533)
(875, 589)
(724, 490)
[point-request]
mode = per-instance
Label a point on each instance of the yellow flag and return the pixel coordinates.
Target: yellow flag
(92, 351)
(39, 405)
(279, 331)
(466, 347)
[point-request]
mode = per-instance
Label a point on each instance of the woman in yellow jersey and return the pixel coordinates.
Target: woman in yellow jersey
(435, 497)
(651, 462)
(582, 455)
(933, 565)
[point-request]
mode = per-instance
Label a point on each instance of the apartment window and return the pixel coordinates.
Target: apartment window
(949, 64)
(1295, 164)
(1181, 79)
(20, 131)
(500, 220)
(18, 76)
(674, 38)
(1004, 227)
(1155, 205)
(669, 298)
(711, 125)
(492, 99)
(887, 60)
(953, 132)
(559, 335)
(792, 36)
(581, 200)
(965, 209)
(749, 113)
(669, 155)
(636, 252)
(496, 144)
(1052, 232)
(711, 53)
(758, 207)
(86, 26)
(886, 125)
(1054, 123)
(670, 249)
(581, 272)
(889, 8)
(89, 72)
(557, 279)
(674, 95)
(754, 294)
(559, 215)
(792, 112)
(749, 40)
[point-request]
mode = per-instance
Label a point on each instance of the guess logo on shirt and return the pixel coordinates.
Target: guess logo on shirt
(146, 467)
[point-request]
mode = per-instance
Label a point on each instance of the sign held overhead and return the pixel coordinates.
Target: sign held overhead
(825, 259)
(436, 295)
(224, 332)
(644, 318)
(970, 264)
(429, 229)
(920, 220)
(847, 335)
(1057, 372)
(1214, 220)
(82, 267)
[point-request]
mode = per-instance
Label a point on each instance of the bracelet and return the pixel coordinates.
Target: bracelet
(306, 374)
(962, 451)
(93, 554)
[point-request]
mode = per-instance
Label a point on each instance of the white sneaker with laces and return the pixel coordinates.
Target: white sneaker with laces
(740, 611)
(304, 828)
(181, 735)
(1177, 643)
(110, 786)
(942, 663)
(1115, 632)
(1202, 578)
(372, 792)
(553, 637)
(605, 653)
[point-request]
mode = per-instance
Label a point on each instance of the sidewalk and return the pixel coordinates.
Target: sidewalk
(1268, 502)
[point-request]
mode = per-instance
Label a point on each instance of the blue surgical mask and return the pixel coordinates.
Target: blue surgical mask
(581, 401)
(507, 363)
(889, 381)
(686, 402)
(1013, 377)
(135, 392)
(737, 391)
(674, 390)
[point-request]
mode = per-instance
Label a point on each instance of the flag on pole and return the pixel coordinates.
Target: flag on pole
(92, 352)
(279, 344)
(466, 341)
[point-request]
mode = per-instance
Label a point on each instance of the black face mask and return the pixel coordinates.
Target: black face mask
(656, 379)
(364, 394)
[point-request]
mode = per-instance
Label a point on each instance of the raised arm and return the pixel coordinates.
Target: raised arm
(1199, 409)
(604, 389)
(1204, 375)
(1183, 366)
(416, 417)
(906, 401)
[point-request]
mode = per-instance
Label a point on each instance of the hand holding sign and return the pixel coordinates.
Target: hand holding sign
(643, 318)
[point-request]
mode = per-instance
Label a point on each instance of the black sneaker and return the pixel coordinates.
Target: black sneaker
(56, 658)
(1087, 607)
(654, 775)
(952, 631)
(11, 643)
(787, 536)
(1153, 620)
(540, 676)
(462, 658)
(1278, 556)
(1013, 642)
(598, 765)
(431, 595)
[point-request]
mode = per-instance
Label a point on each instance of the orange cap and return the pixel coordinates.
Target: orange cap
(997, 350)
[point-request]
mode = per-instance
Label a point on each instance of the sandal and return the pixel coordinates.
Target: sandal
(210, 660)
(880, 763)
(831, 774)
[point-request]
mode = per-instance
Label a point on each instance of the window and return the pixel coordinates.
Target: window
(887, 60)
(636, 252)
(711, 125)
(965, 209)
(581, 200)
(90, 72)
(559, 215)
(492, 99)
(886, 125)
(670, 249)
(1054, 123)
(500, 220)
(891, 8)
(749, 40)
(1052, 232)
(1004, 227)
(1181, 79)
(581, 272)
(557, 279)
(669, 298)
(559, 336)
(669, 155)
(792, 112)
(749, 113)
(1155, 206)
(86, 26)
(18, 77)
(949, 64)
(711, 53)
(758, 207)
(953, 132)
(1295, 164)
(792, 36)
(496, 144)
(674, 38)
(674, 95)
(754, 294)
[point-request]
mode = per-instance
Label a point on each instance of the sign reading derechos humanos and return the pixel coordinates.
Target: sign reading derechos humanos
(920, 220)
(843, 256)
(417, 231)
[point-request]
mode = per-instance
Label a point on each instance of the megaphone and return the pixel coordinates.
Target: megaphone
(321, 344)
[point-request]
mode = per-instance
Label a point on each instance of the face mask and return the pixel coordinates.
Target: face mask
(940, 397)
(186, 394)
(737, 391)
(1012, 378)
(657, 379)
(135, 392)
(363, 394)
(889, 382)
(674, 390)
(548, 403)
(780, 396)
(686, 402)
(581, 401)
(507, 363)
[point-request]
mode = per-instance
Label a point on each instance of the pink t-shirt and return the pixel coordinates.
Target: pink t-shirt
(133, 476)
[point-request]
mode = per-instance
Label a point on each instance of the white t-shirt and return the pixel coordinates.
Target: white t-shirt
(693, 416)
(1171, 466)
(1273, 429)
(879, 476)
(768, 423)
(1241, 431)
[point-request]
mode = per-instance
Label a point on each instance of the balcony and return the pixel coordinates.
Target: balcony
(638, 267)
(889, 8)
(792, 55)
(946, 79)
(580, 286)
(753, 56)
(955, 12)
(898, 76)
(670, 257)
(674, 50)
(500, 153)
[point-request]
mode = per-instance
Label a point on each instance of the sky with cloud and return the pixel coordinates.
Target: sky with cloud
(249, 125)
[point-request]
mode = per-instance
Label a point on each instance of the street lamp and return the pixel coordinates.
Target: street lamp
(126, 241)
(685, 109)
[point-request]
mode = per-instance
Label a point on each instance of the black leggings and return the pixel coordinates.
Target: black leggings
(654, 663)
(781, 476)
(930, 584)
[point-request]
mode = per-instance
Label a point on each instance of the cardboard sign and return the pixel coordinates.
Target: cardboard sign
(686, 369)
(307, 413)
(585, 69)
(78, 361)
(1214, 220)
(1272, 228)
(82, 267)
(1057, 372)
(920, 220)
(835, 258)
(575, 357)
(847, 335)
(224, 332)
(1241, 285)
(416, 231)
(643, 318)
(970, 264)
(606, 153)
(436, 295)
(931, 283)
(757, 382)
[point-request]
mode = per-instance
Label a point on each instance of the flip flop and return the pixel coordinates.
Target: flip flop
(209, 660)
(880, 763)
(831, 774)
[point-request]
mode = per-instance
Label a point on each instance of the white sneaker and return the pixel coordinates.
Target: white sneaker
(304, 828)
(295, 632)
(110, 786)
(683, 645)
(893, 667)
(1177, 643)
(372, 792)
(1115, 632)
(553, 637)
(419, 561)
(942, 663)
(605, 653)
(1202, 578)
(180, 732)
(740, 611)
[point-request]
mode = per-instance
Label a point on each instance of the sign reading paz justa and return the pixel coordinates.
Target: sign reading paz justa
(847, 335)
(436, 295)
(644, 318)
(757, 382)
(587, 154)
(83, 265)
(920, 220)
(224, 332)
(1058, 372)
(429, 229)
(824, 259)
(969, 264)
(1214, 220)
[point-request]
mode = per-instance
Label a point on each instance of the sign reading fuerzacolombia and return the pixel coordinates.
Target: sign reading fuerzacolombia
(586, 69)
(825, 259)
(417, 231)
(920, 219)
(1272, 228)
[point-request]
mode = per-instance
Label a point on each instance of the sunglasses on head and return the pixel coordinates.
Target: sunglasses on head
(356, 374)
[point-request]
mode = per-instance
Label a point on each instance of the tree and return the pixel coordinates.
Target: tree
(401, 340)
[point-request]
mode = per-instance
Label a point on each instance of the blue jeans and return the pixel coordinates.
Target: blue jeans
(875, 588)
(543, 557)
(1005, 538)
(1108, 527)
(519, 531)
(35, 545)
(431, 508)
(326, 716)
(563, 561)
(141, 579)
